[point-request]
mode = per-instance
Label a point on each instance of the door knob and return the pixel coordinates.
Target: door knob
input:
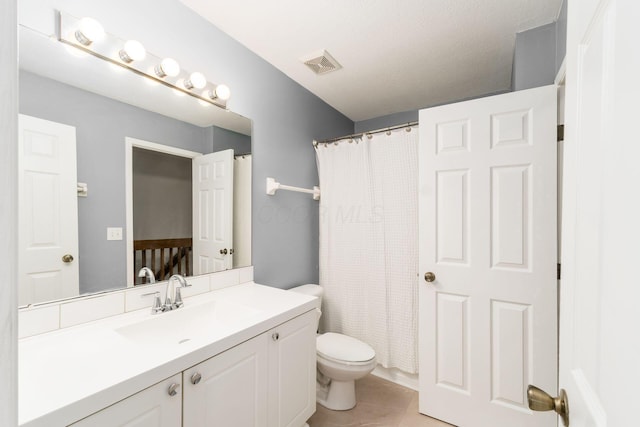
(275, 336)
(223, 251)
(429, 276)
(67, 258)
(540, 400)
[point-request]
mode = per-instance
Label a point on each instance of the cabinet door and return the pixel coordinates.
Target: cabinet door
(292, 371)
(157, 406)
(229, 389)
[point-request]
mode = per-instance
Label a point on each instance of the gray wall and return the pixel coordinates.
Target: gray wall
(561, 35)
(539, 53)
(534, 62)
(161, 196)
(386, 121)
(225, 138)
(286, 118)
(8, 214)
(101, 127)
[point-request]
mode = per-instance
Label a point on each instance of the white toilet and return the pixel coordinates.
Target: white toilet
(341, 361)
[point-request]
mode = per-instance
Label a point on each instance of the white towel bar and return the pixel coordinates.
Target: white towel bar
(273, 186)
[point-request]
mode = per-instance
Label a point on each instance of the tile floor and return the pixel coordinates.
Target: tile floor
(379, 403)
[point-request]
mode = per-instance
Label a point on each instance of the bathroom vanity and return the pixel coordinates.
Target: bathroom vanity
(239, 356)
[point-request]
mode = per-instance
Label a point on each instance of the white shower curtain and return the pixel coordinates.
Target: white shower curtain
(369, 243)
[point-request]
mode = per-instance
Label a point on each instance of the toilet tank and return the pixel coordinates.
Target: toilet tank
(313, 290)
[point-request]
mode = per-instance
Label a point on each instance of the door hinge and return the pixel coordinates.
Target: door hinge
(559, 270)
(560, 132)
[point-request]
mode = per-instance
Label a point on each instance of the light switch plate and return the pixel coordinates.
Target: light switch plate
(114, 233)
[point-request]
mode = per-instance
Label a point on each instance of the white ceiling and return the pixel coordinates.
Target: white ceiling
(397, 55)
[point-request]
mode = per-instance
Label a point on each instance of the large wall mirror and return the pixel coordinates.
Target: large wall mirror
(118, 173)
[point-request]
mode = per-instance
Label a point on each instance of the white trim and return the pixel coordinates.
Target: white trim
(397, 376)
(161, 148)
(590, 397)
(128, 174)
(559, 11)
(8, 214)
(562, 73)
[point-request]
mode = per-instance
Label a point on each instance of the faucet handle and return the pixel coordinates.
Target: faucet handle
(178, 299)
(157, 304)
(177, 303)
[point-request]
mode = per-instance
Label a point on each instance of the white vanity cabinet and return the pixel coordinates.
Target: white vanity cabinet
(157, 406)
(268, 381)
(249, 360)
(229, 389)
(292, 371)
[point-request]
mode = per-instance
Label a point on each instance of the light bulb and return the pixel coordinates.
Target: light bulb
(223, 92)
(196, 80)
(168, 67)
(89, 30)
(132, 51)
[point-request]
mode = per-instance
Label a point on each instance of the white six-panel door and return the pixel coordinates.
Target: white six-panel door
(47, 211)
(487, 195)
(213, 212)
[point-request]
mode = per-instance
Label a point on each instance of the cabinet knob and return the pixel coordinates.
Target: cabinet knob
(195, 378)
(173, 389)
(275, 336)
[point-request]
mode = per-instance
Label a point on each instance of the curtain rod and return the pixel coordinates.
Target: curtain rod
(361, 134)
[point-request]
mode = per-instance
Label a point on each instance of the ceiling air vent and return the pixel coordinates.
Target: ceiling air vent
(321, 62)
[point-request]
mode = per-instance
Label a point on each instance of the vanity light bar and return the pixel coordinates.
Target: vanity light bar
(87, 35)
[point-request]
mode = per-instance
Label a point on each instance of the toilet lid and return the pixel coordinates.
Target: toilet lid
(342, 347)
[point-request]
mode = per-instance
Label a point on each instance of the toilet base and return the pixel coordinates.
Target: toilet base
(339, 396)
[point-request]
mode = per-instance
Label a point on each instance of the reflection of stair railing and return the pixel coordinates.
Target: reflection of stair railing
(165, 257)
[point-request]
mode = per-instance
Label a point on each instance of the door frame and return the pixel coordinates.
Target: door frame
(130, 144)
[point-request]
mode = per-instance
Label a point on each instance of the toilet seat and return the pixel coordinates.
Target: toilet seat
(344, 349)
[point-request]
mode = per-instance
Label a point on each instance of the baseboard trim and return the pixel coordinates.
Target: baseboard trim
(397, 376)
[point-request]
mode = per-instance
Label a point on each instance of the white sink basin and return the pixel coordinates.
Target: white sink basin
(186, 323)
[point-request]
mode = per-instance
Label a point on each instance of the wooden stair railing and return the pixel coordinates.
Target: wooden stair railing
(178, 250)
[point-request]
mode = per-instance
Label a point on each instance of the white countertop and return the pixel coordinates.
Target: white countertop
(71, 373)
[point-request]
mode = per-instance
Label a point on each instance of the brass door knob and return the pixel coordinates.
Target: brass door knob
(429, 277)
(540, 400)
(223, 251)
(67, 258)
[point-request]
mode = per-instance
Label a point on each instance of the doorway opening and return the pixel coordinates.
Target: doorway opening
(159, 210)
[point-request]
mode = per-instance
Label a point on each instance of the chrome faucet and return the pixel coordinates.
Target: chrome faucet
(177, 301)
(148, 273)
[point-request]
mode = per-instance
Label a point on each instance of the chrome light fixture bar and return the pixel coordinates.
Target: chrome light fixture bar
(87, 35)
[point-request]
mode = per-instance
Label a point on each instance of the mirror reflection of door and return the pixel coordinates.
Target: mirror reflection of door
(181, 211)
(162, 211)
(213, 212)
(47, 211)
